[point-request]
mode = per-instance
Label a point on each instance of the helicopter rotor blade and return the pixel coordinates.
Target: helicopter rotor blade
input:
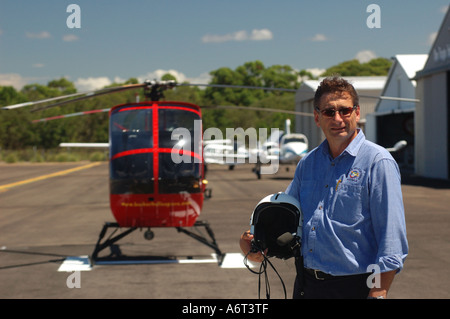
(403, 99)
(76, 97)
(91, 95)
(264, 109)
(166, 84)
(57, 117)
(293, 90)
(239, 87)
(15, 106)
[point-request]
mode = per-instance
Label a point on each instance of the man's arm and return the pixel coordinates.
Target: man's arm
(386, 279)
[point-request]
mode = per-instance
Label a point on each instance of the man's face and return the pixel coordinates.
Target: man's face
(338, 129)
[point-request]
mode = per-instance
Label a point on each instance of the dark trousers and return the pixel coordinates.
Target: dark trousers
(307, 286)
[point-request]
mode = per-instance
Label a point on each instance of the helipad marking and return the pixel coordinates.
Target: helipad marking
(235, 260)
(82, 263)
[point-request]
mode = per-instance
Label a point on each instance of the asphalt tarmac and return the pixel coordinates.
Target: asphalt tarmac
(51, 216)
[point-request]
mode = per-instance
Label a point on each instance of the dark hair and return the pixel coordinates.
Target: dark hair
(335, 84)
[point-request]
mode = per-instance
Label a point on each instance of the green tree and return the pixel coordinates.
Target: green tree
(250, 74)
(63, 85)
(168, 77)
(9, 96)
(15, 130)
(375, 67)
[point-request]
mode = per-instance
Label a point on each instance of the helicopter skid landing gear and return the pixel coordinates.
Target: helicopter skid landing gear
(212, 244)
(115, 251)
(111, 240)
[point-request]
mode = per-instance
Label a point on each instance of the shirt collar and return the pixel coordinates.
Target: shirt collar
(356, 144)
(352, 149)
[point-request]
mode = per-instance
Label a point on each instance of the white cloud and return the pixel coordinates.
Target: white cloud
(319, 37)
(261, 35)
(181, 77)
(70, 38)
(15, 80)
(365, 56)
(255, 35)
(39, 35)
(444, 9)
(316, 71)
(156, 75)
(203, 78)
(91, 83)
(96, 83)
(118, 79)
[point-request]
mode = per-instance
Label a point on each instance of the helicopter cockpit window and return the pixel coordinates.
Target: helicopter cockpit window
(131, 129)
(178, 126)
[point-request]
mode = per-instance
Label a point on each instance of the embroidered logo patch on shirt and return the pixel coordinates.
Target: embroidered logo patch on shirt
(354, 175)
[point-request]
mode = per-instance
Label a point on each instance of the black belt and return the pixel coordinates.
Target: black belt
(320, 275)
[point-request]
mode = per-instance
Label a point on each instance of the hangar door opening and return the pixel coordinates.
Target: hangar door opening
(395, 127)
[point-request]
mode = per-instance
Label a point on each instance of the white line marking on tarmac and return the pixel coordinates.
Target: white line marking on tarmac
(235, 260)
(82, 263)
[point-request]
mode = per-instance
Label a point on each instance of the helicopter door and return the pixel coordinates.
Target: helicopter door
(180, 151)
(131, 166)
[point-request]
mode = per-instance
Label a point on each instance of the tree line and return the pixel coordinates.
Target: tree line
(17, 131)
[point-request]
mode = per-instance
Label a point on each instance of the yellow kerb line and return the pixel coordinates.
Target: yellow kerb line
(35, 179)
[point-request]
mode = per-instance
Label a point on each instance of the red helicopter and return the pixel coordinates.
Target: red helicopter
(156, 167)
(147, 187)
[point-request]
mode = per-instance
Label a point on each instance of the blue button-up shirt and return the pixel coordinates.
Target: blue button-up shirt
(352, 207)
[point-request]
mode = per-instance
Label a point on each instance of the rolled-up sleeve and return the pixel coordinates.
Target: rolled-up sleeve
(388, 216)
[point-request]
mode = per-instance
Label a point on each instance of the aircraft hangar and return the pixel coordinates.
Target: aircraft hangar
(432, 118)
(393, 119)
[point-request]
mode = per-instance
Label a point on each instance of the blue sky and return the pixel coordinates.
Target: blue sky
(147, 38)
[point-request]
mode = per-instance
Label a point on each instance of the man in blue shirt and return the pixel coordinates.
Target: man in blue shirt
(350, 194)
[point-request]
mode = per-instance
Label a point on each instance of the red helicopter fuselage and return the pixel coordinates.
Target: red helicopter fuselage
(156, 164)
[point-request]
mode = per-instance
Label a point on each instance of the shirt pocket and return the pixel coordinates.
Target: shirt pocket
(348, 204)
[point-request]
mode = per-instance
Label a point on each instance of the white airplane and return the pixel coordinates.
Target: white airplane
(224, 152)
(398, 146)
(281, 148)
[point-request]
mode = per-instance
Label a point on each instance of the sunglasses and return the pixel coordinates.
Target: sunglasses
(343, 111)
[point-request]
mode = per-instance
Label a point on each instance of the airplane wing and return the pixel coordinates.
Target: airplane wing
(93, 145)
(223, 152)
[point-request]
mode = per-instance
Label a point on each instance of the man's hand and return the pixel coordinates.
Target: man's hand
(246, 245)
